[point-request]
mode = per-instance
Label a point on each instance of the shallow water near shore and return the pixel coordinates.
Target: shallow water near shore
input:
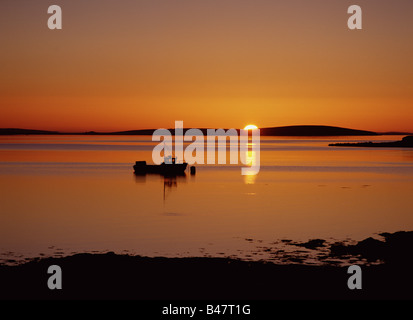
(68, 194)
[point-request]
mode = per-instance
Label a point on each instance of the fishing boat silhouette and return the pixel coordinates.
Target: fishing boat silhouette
(168, 167)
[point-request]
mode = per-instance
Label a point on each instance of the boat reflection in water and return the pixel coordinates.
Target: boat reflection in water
(170, 171)
(170, 182)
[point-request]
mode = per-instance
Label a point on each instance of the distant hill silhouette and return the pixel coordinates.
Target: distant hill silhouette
(15, 131)
(314, 131)
(304, 131)
(149, 132)
(144, 132)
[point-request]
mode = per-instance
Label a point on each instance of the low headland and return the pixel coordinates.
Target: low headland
(406, 142)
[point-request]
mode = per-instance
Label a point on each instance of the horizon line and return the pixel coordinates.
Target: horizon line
(24, 131)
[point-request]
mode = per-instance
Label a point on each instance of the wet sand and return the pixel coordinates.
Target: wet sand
(112, 276)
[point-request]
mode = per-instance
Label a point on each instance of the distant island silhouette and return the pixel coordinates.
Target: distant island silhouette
(406, 142)
(310, 130)
(15, 131)
(293, 131)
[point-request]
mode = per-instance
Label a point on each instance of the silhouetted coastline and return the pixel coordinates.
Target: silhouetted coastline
(292, 131)
(16, 131)
(406, 142)
(112, 276)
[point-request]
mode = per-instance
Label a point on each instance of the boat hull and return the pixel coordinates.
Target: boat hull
(165, 169)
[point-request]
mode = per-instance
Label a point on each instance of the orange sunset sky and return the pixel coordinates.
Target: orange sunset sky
(123, 65)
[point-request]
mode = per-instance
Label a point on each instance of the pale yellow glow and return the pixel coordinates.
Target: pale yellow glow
(251, 127)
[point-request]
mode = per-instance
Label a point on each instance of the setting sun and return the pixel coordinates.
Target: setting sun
(251, 127)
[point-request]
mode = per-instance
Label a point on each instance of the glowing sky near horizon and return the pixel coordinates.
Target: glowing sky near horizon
(122, 65)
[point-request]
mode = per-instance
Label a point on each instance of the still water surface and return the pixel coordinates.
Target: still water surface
(68, 194)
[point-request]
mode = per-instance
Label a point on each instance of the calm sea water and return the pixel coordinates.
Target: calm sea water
(69, 194)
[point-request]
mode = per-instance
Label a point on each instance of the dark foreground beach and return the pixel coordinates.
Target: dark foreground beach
(112, 276)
